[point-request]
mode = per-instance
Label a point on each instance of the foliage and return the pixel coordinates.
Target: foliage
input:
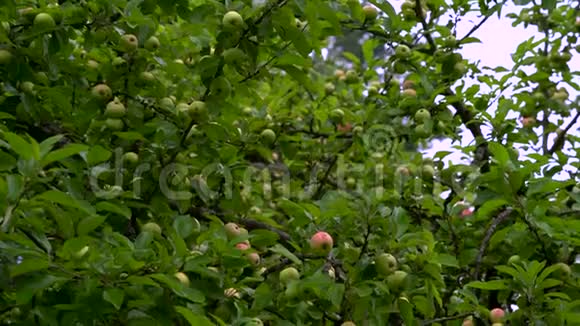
(133, 131)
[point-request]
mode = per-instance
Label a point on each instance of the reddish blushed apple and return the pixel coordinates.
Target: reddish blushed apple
(344, 127)
(496, 315)
(243, 246)
(321, 242)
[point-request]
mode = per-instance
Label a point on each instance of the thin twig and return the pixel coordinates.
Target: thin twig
(488, 234)
(559, 141)
(449, 318)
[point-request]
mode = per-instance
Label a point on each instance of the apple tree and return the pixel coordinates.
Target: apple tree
(262, 163)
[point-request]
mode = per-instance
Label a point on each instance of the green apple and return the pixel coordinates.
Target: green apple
(44, 21)
(348, 323)
(115, 124)
(396, 280)
(166, 103)
(351, 77)
(5, 56)
(182, 278)
(233, 230)
(234, 56)
(403, 52)
(428, 171)
(27, 87)
(118, 61)
(373, 91)
(336, 115)
(422, 131)
(152, 227)
(131, 157)
(268, 137)
(92, 64)
(394, 82)
(329, 88)
(385, 264)
(115, 109)
(370, 12)
(289, 274)
(409, 92)
(450, 41)
(221, 87)
(460, 68)
(232, 20)
(351, 182)
(198, 111)
(129, 43)
(42, 78)
(152, 43)
(102, 92)
(254, 322)
(564, 270)
(147, 76)
(515, 259)
(422, 115)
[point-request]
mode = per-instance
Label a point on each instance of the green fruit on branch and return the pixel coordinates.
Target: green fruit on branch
(403, 52)
(198, 111)
(92, 64)
(44, 21)
(422, 116)
(409, 92)
(221, 87)
(182, 278)
(129, 43)
(234, 56)
(460, 68)
(166, 103)
(560, 95)
(370, 12)
(351, 77)
(114, 124)
(5, 57)
(289, 274)
(428, 171)
(422, 131)
(396, 280)
(115, 109)
(102, 92)
(146, 77)
(515, 259)
(131, 157)
(348, 323)
(27, 87)
(152, 43)
(152, 227)
(564, 270)
(407, 84)
(336, 115)
(41, 78)
(450, 41)
(268, 137)
(232, 20)
(321, 242)
(233, 230)
(329, 88)
(386, 264)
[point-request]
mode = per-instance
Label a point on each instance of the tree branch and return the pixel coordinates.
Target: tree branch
(488, 234)
(559, 141)
(449, 318)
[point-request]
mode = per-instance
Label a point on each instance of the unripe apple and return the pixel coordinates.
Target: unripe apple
(115, 109)
(394, 82)
(220, 87)
(44, 21)
(147, 76)
(351, 77)
(41, 78)
(407, 84)
(339, 73)
(422, 131)
(336, 115)
(370, 12)
(450, 41)
(329, 88)
(92, 64)
(129, 43)
(386, 264)
(321, 242)
(403, 170)
(118, 61)
(496, 315)
(560, 95)
(254, 258)
(460, 68)
(497, 324)
(528, 122)
(27, 87)
(233, 56)
(182, 278)
(348, 323)
(289, 274)
(514, 260)
(198, 111)
(467, 322)
(115, 124)
(268, 137)
(351, 182)
(102, 92)
(152, 43)
(233, 230)
(166, 103)
(564, 270)
(131, 157)
(428, 171)
(422, 115)
(232, 19)
(373, 91)
(152, 227)
(5, 56)
(409, 92)
(403, 52)
(396, 280)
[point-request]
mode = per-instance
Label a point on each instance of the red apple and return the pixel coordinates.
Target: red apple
(496, 315)
(321, 242)
(344, 127)
(243, 246)
(528, 121)
(466, 212)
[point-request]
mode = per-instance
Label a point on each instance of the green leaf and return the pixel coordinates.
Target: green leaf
(112, 207)
(489, 285)
(63, 153)
(115, 297)
(28, 265)
(388, 9)
(59, 197)
(89, 224)
(98, 154)
(26, 291)
(19, 145)
(183, 224)
(190, 294)
(47, 144)
(295, 211)
(406, 310)
(7, 162)
(499, 152)
(193, 319)
(279, 249)
(446, 260)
